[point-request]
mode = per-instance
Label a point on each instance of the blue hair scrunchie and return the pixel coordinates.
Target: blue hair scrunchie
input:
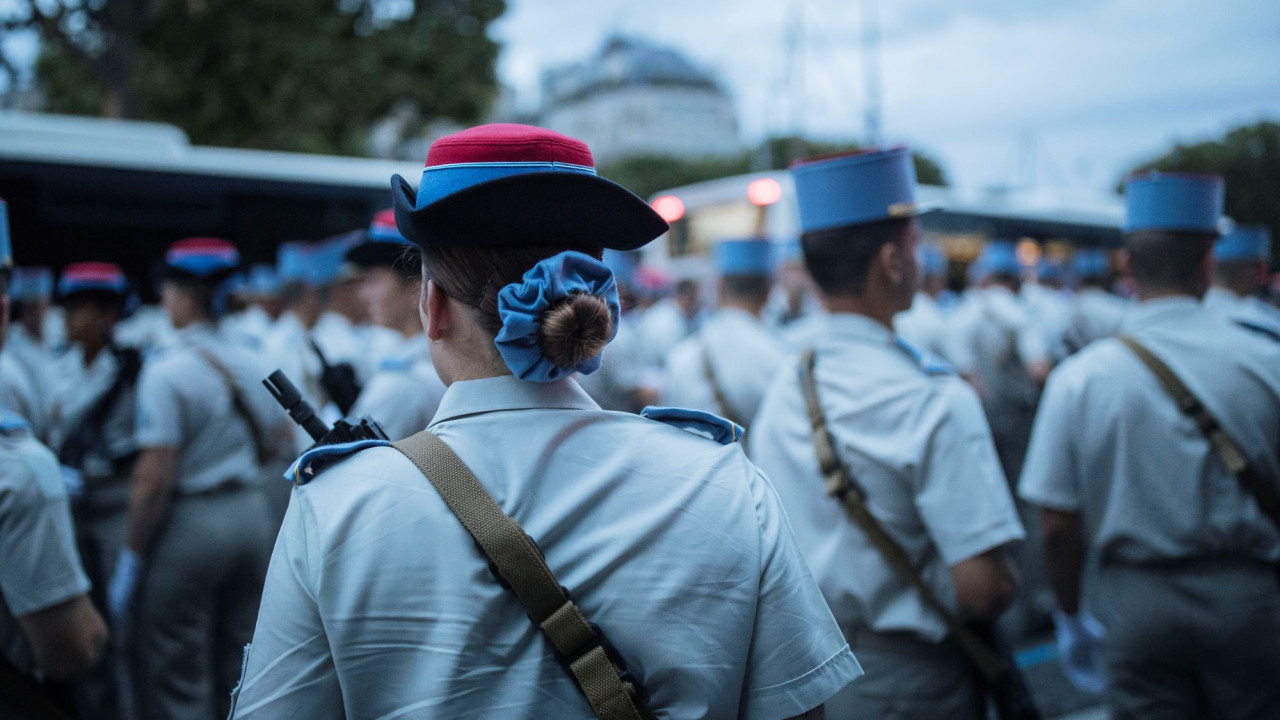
(521, 305)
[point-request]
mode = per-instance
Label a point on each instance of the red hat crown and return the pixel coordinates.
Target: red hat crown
(508, 142)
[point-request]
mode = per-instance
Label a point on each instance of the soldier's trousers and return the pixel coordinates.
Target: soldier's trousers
(101, 520)
(1193, 640)
(908, 679)
(197, 605)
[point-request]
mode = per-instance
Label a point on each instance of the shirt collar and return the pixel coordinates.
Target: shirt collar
(852, 326)
(1148, 312)
(507, 392)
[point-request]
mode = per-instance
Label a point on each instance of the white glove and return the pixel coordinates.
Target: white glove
(1080, 642)
(73, 481)
(124, 582)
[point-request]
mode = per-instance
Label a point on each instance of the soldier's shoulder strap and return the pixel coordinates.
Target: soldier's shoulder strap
(318, 459)
(699, 422)
(522, 568)
(1228, 450)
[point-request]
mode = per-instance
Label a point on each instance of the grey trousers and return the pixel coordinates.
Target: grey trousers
(101, 519)
(1192, 641)
(197, 605)
(908, 679)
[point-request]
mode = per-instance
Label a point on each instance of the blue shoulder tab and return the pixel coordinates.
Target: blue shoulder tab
(712, 427)
(11, 422)
(1268, 331)
(931, 364)
(314, 461)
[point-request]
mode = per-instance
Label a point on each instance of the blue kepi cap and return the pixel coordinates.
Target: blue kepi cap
(856, 189)
(1246, 243)
(1175, 202)
(750, 256)
(1091, 263)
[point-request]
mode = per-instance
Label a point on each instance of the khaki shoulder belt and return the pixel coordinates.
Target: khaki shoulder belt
(1232, 455)
(520, 565)
(1007, 687)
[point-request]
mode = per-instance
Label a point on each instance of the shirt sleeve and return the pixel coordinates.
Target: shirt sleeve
(41, 566)
(289, 671)
(798, 657)
(961, 492)
(159, 419)
(1048, 474)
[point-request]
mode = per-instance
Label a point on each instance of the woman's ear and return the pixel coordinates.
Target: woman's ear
(437, 315)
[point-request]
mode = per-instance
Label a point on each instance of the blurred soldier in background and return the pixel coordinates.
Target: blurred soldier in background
(199, 532)
(324, 373)
(1049, 303)
(260, 298)
(670, 320)
(911, 435)
(924, 325)
(24, 362)
(793, 297)
(1155, 454)
(47, 623)
(726, 365)
(1096, 312)
(94, 406)
(1240, 273)
(1009, 353)
(404, 392)
(626, 381)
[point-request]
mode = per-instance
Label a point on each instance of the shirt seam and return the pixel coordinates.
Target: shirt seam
(821, 669)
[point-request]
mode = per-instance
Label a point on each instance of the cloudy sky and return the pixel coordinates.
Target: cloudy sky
(1065, 93)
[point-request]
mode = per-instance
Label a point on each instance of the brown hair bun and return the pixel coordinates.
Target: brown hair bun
(575, 329)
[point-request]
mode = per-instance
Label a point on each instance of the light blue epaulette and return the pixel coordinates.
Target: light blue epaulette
(11, 422)
(931, 364)
(316, 460)
(705, 424)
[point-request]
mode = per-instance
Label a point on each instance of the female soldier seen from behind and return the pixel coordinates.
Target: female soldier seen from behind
(378, 603)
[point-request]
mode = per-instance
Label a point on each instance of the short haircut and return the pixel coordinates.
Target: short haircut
(1160, 259)
(747, 287)
(839, 259)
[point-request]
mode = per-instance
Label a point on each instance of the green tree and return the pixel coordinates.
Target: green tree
(306, 75)
(1248, 158)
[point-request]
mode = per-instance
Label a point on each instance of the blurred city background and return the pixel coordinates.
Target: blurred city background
(1013, 106)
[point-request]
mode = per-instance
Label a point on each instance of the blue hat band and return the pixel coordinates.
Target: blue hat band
(67, 286)
(387, 235)
(441, 181)
(201, 265)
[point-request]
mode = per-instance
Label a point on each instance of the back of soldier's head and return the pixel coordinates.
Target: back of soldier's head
(1171, 223)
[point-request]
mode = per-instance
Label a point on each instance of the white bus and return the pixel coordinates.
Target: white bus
(763, 205)
(92, 189)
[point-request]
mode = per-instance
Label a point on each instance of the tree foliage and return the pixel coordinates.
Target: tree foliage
(646, 175)
(1248, 158)
(307, 75)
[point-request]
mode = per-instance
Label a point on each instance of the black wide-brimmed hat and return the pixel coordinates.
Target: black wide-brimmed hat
(513, 185)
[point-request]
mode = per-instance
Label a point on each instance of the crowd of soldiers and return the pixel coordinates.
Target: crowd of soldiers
(1013, 451)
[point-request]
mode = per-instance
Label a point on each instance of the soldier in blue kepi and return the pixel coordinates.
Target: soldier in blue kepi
(47, 622)
(883, 460)
(1240, 272)
(404, 390)
(198, 535)
(1155, 454)
(725, 366)
(686, 594)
